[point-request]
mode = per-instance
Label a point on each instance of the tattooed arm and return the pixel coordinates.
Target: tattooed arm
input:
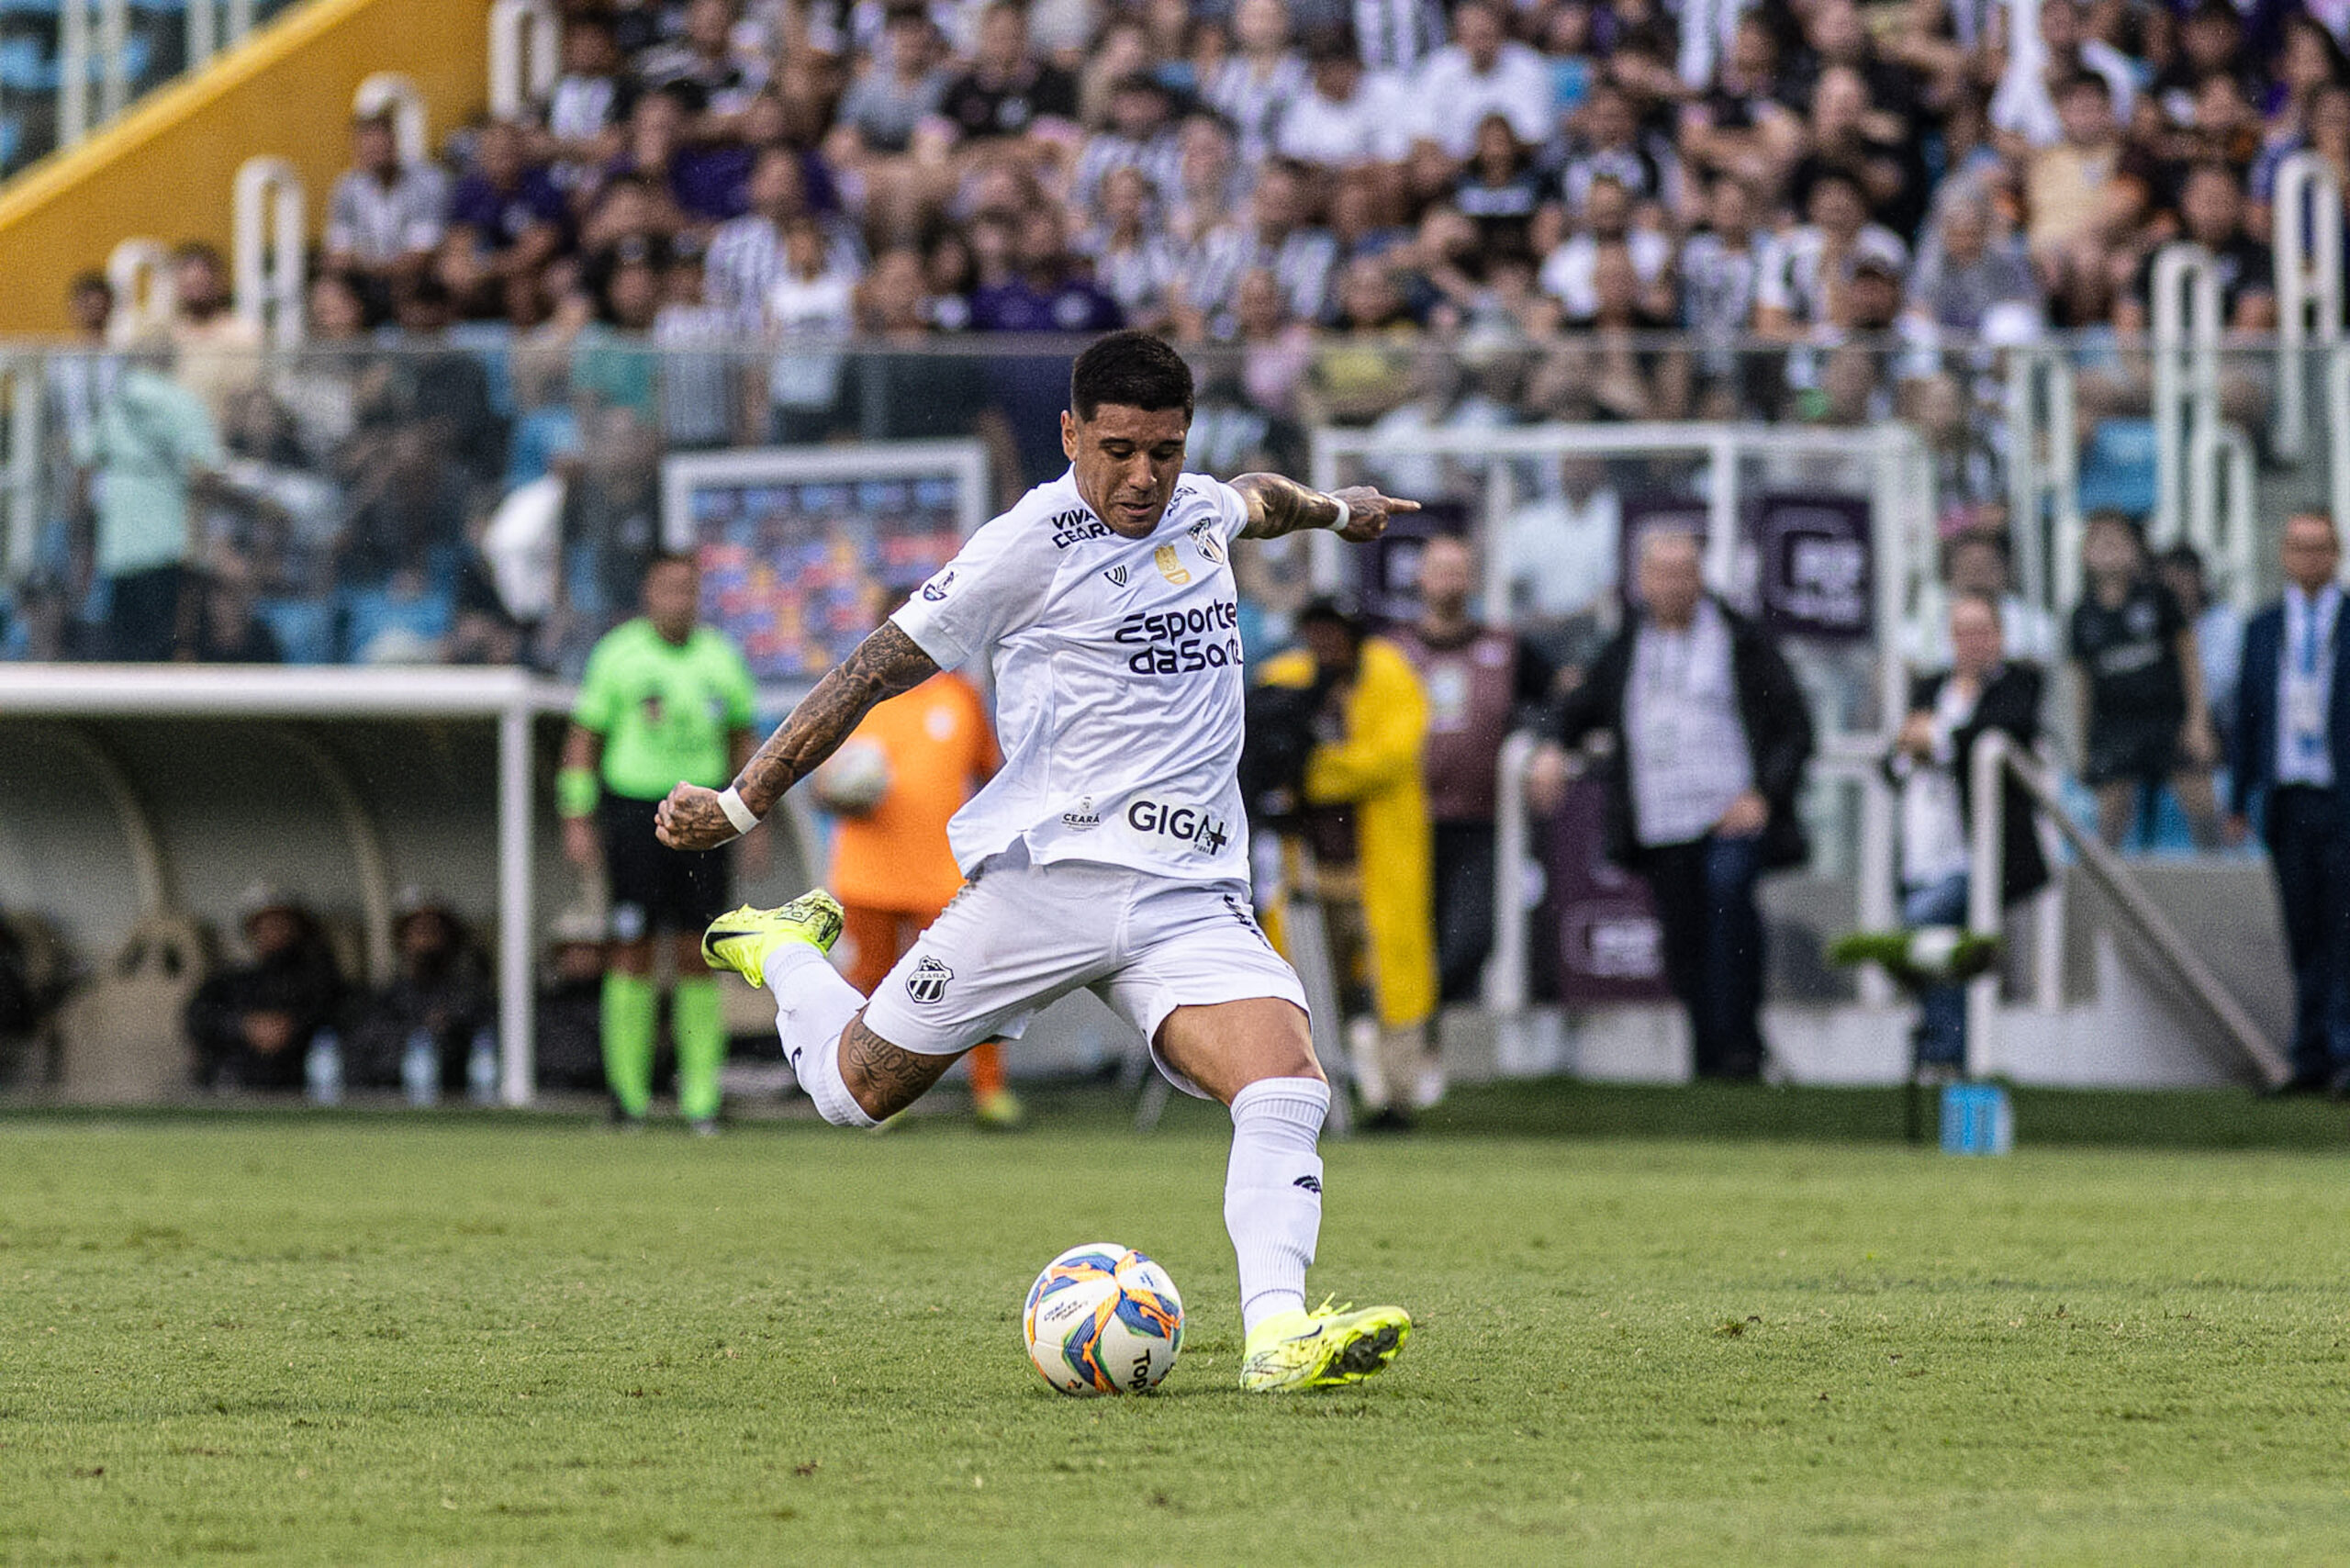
(884, 665)
(1277, 505)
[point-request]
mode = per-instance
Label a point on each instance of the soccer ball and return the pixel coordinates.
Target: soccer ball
(1102, 1318)
(853, 779)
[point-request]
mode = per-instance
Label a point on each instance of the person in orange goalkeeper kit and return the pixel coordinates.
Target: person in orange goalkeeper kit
(893, 785)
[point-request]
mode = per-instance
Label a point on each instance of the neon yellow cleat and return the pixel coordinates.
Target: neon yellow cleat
(742, 940)
(1322, 1348)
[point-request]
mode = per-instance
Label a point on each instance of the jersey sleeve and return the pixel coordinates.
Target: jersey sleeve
(592, 708)
(1232, 509)
(995, 585)
(742, 691)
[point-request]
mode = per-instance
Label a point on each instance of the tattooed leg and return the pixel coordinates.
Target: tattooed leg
(883, 1078)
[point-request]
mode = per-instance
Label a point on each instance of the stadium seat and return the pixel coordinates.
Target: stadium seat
(380, 627)
(24, 66)
(2117, 468)
(304, 627)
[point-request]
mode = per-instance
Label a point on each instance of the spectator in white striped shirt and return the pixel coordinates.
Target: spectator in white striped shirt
(1210, 183)
(1255, 87)
(1141, 135)
(745, 258)
(1397, 35)
(1275, 235)
(385, 219)
(1134, 261)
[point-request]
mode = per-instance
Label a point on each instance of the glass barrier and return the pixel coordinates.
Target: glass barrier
(486, 498)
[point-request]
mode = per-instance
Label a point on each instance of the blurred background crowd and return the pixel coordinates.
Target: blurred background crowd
(735, 222)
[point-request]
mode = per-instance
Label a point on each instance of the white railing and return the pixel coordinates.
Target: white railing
(389, 91)
(525, 54)
(1996, 759)
(2186, 382)
(2043, 477)
(2337, 426)
(97, 50)
(1900, 490)
(2308, 248)
(139, 270)
(271, 249)
(23, 383)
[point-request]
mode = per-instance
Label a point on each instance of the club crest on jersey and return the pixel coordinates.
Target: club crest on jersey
(1210, 549)
(1117, 576)
(928, 984)
(935, 589)
(1170, 566)
(1085, 818)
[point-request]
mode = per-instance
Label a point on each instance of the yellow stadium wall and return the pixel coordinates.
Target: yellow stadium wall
(167, 169)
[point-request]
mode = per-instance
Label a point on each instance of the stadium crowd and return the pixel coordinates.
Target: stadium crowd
(730, 220)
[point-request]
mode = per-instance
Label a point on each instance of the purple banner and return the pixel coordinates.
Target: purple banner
(1818, 574)
(1390, 565)
(1610, 947)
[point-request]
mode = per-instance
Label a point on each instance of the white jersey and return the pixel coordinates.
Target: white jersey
(1118, 682)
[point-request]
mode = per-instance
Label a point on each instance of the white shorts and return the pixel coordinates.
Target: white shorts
(1020, 937)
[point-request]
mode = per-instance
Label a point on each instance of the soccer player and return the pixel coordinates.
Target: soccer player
(663, 699)
(1110, 851)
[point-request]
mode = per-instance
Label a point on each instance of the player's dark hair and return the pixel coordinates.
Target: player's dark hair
(1131, 369)
(661, 558)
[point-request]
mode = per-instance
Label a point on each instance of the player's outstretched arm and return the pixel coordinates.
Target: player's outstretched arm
(884, 665)
(1278, 505)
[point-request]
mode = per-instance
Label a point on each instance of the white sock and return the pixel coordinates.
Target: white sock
(1272, 1191)
(813, 1006)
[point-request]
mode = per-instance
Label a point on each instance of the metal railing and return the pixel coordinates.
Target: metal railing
(1997, 759)
(525, 54)
(111, 51)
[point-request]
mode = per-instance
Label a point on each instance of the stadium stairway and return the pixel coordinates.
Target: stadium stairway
(167, 167)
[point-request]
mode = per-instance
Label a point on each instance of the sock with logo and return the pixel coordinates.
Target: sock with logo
(813, 1006)
(699, 1025)
(630, 1008)
(1272, 1191)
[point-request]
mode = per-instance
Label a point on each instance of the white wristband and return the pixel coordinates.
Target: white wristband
(730, 801)
(1345, 511)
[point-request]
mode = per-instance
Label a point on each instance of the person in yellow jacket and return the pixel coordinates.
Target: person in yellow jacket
(1364, 822)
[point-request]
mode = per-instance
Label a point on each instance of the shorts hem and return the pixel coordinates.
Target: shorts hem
(1242, 989)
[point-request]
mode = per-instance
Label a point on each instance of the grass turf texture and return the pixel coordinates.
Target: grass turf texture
(472, 1341)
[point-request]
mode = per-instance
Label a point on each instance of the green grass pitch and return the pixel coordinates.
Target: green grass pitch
(1790, 1339)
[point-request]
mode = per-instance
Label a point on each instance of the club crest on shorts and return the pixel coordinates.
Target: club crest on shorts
(1169, 566)
(1209, 548)
(928, 982)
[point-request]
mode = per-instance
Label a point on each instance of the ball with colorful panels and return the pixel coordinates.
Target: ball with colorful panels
(1102, 1318)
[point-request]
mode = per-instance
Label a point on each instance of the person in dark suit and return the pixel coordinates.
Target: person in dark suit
(2290, 766)
(1711, 736)
(1932, 763)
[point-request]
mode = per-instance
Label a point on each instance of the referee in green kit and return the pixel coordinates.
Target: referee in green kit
(664, 701)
